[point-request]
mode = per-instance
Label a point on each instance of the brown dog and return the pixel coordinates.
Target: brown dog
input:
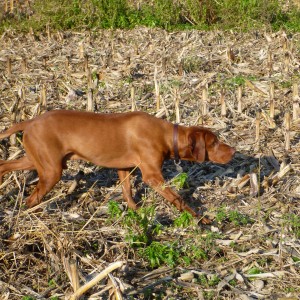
(120, 141)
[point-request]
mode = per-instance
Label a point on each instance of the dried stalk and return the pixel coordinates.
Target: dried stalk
(81, 50)
(223, 104)
(176, 101)
(74, 275)
(8, 67)
(24, 64)
(257, 128)
(204, 100)
(43, 97)
(133, 103)
(272, 104)
(89, 78)
(157, 94)
(12, 6)
(90, 100)
(96, 279)
(295, 101)
(287, 122)
(239, 98)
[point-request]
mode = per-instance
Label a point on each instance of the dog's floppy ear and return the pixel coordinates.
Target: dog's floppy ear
(197, 143)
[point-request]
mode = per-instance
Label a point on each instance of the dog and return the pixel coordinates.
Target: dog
(119, 140)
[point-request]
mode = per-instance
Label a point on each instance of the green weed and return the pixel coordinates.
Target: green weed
(233, 217)
(180, 180)
(193, 251)
(159, 253)
(184, 220)
(141, 226)
(167, 14)
(51, 283)
(254, 271)
(208, 281)
(114, 210)
(293, 222)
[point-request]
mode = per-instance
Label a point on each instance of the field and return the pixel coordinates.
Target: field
(244, 86)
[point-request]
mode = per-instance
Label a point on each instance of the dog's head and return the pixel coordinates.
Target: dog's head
(205, 146)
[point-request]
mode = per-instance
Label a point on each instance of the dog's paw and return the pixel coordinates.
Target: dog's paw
(204, 220)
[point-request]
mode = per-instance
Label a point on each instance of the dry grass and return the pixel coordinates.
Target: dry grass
(42, 251)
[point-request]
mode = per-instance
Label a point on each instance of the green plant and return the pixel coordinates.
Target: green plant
(167, 14)
(141, 226)
(254, 271)
(293, 222)
(112, 13)
(184, 220)
(159, 253)
(208, 240)
(27, 298)
(180, 180)
(233, 282)
(238, 219)
(114, 209)
(208, 281)
(192, 64)
(191, 251)
(214, 280)
(232, 216)
(52, 283)
(221, 215)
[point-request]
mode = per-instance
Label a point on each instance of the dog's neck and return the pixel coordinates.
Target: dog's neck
(175, 143)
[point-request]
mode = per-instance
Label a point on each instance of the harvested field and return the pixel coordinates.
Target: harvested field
(242, 85)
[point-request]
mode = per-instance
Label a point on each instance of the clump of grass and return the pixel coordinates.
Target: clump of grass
(167, 14)
(293, 222)
(232, 216)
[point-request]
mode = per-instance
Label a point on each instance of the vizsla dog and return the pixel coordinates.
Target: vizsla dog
(121, 141)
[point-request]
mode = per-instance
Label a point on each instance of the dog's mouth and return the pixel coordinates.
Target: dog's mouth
(225, 158)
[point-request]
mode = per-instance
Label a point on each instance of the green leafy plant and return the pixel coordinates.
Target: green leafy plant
(184, 220)
(254, 271)
(293, 222)
(159, 253)
(208, 281)
(180, 180)
(114, 209)
(167, 14)
(141, 226)
(51, 283)
(238, 219)
(221, 215)
(233, 216)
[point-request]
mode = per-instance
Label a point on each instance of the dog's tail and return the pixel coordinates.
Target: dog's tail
(15, 128)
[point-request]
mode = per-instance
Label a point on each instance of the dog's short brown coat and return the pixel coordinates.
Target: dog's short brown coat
(121, 141)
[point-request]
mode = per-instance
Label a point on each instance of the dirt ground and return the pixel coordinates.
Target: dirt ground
(223, 80)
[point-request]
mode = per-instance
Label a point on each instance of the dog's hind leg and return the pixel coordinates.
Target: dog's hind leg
(47, 180)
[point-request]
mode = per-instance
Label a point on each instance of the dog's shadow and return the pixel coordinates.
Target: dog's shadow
(100, 180)
(197, 175)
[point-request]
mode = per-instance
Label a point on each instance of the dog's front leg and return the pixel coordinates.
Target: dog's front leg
(153, 177)
(124, 176)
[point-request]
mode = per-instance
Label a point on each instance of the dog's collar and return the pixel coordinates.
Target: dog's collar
(175, 144)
